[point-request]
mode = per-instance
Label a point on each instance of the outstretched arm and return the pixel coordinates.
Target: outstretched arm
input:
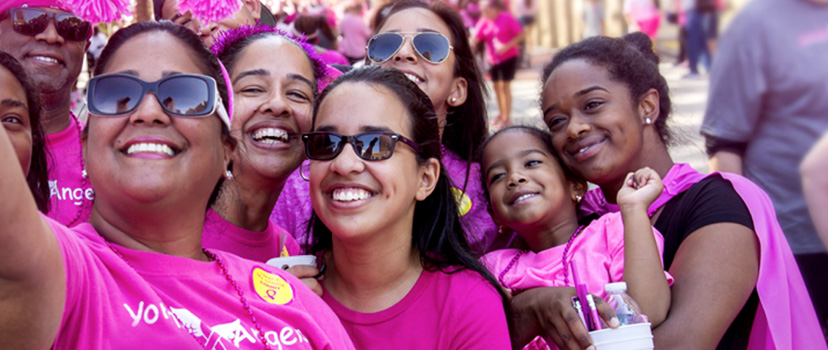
(643, 270)
(32, 281)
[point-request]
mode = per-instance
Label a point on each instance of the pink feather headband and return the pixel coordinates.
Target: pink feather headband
(104, 11)
(226, 39)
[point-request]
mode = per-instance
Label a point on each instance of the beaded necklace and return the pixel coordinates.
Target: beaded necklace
(227, 276)
(564, 262)
(83, 172)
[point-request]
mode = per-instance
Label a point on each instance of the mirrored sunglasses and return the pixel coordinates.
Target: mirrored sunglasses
(432, 47)
(190, 95)
(32, 21)
(371, 146)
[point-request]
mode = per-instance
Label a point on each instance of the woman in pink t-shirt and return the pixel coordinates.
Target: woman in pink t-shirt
(400, 273)
(20, 115)
(502, 33)
(136, 275)
(452, 79)
(272, 106)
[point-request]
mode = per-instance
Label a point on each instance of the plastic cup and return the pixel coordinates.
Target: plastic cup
(636, 336)
(287, 262)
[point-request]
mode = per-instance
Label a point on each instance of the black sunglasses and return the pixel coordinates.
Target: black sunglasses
(371, 146)
(32, 21)
(432, 47)
(189, 95)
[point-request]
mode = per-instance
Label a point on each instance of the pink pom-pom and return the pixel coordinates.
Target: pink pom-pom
(98, 11)
(209, 11)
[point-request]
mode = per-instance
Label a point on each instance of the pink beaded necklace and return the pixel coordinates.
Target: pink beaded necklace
(564, 262)
(223, 268)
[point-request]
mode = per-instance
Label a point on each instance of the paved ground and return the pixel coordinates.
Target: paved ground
(689, 97)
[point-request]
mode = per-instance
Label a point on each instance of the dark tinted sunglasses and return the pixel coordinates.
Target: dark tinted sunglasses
(371, 146)
(33, 21)
(432, 47)
(190, 95)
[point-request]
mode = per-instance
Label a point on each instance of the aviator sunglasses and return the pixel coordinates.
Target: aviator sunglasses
(189, 95)
(370, 146)
(432, 47)
(32, 21)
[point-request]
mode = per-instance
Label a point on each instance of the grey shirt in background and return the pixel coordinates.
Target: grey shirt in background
(769, 89)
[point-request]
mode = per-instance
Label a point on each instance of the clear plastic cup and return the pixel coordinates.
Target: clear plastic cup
(636, 336)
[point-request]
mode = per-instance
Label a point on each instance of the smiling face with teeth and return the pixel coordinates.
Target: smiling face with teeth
(358, 199)
(53, 62)
(438, 81)
(528, 190)
(596, 128)
(147, 157)
(273, 101)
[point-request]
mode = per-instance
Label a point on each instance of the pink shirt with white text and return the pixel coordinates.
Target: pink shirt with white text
(150, 300)
(69, 198)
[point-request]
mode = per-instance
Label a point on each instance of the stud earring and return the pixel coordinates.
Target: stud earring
(453, 99)
(648, 121)
(577, 199)
(228, 175)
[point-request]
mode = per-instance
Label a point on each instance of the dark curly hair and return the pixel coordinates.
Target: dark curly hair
(38, 176)
(630, 60)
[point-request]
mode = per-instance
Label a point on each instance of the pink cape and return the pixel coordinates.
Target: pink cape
(785, 318)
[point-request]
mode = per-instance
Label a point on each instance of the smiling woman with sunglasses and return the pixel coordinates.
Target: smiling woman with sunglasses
(399, 270)
(157, 145)
(429, 44)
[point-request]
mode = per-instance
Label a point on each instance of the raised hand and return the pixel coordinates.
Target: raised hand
(640, 189)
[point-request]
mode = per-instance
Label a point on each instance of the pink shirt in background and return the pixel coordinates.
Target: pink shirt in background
(259, 246)
(458, 310)
(149, 301)
(640, 10)
(294, 208)
(70, 200)
(497, 33)
(355, 35)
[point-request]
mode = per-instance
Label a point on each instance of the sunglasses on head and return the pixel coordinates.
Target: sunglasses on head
(32, 21)
(432, 47)
(189, 95)
(370, 146)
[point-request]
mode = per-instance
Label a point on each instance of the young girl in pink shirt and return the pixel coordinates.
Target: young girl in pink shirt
(532, 194)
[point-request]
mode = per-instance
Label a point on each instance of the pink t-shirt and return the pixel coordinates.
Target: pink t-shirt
(497, 33)
(260, 246)
(150, 301)
(640, 10)
(70, 199)
(459, 310)
(294, 208)
(598, 250)
(355, 35)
